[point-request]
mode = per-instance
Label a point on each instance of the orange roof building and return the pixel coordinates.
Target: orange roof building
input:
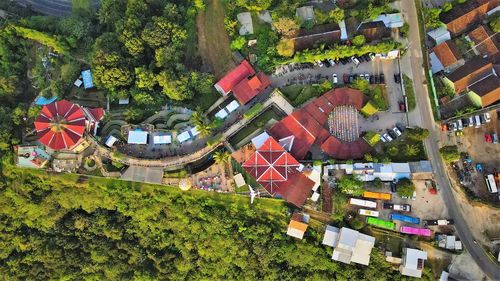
(447, 53)
(485, 43)
(464, 16)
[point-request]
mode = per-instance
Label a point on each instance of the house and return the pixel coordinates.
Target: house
(485, 43)
(413, 262)
(385, 171)
(137, 137)
(243, 82)
(319, 34)
(110, 141)
(381, 26)
(298, 225)
(473, 70)
(245, 20)
(277, 171)
(485, 92)
(449, 242)
(439, 35)
(349, 245)
(448, 55)
(305, 13)
(466, 15)
(162, 138)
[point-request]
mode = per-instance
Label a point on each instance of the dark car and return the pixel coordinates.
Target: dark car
(392, 134)
(361, 59)
(366, 57)
(372, 79)
(465, 122)
(388, 206)
(402, 106)
(377, 79)
(326, 63)
(343, 61)
(382, 79)
(481, 118)
(351, 78)
(355, 76)
(346, 78)
(397, 78)
(393, 187)
(336, 61)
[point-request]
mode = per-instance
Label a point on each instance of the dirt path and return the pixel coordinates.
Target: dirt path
(213, 40)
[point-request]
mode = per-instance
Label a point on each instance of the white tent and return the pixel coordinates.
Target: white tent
(232, 106)
(138, 137)
(184, 136)
(162, 139)
(221, 114)
(111, 141)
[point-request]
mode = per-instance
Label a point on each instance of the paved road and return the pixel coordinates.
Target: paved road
(432, 146)
(58, 8)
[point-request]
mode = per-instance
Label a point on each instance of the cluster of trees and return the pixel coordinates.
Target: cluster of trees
(66, 227)
(450, 153)
(405, 188)
(351, 185)
(495, 22)
(141, 52)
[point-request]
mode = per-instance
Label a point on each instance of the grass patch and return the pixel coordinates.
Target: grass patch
(410, 92)
(378, 97)
(388, 241)
(253, 111)
(175, 174)
(399, 149)
(256, 124)
(372, 138)
(299, 94)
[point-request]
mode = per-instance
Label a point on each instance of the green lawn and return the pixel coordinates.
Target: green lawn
(410, 92)
(299, 94)
(255, 125)
(397, 149)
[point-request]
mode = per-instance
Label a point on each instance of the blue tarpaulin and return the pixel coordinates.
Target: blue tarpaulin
(87, 79)
(41, 100)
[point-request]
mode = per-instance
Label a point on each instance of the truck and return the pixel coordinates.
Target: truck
(404, 218)
(438, 222)
(369, 213)
(381, 223)
(363, 203)
(377, 195)
(397, 207)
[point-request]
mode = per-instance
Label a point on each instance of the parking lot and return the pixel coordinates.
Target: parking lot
(480, 151)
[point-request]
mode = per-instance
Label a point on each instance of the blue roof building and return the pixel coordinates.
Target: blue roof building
(87, 79)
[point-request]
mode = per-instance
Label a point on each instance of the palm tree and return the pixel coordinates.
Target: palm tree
(205, 130)
(197, 119)
(411, 150)
(222, 157)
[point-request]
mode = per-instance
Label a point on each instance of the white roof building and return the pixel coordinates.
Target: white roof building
(436, 65)
(439, 35)
(194, 132)
(343, 31)
(259, 140)
(296, 229)
(137, 137)
(350, 246)
(444, 276)
(162, 139)
(124, 101)
(391, 20)
(413, 262)
(232, 106)
(221, 114)
(239, 180)
(78, 83)
(110, 141)
(184, 136)
(245, 20)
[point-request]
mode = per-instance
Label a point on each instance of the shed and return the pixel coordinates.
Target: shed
(78, 83)
(439, 35)
(87, 79)
(305, 13)
(232, 106)
(124, 101)
(137, 137)
(239, 180)
(162, 139)
(331, 236)
(245, 20)
(222, 114)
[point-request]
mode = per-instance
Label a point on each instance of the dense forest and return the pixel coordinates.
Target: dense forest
(68, 227)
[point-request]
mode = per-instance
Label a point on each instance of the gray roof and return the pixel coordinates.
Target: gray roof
(143, 174)
(423, 166)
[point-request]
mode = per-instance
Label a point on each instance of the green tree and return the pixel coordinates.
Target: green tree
(418, 134)
(411, 150)
(359, 40)
(161, 31)
(336, 15)
(286, 47)
(431, 16)
(405, 187)
(197, 119)
(286, 26)
(222, 157)
(360, 84)
(205, 130)
(144, 79)
(254, 5)
(132, 115)
(174, 87)
(351, 185)
(447, 6)
(18, 115)
(238, 43)
(495, 22)
(368, 157)
(393, 151)
(450, 153)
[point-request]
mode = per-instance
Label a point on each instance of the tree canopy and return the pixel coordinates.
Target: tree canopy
(351, 185)
(405, 188)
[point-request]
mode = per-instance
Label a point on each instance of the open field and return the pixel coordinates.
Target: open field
(213, 40)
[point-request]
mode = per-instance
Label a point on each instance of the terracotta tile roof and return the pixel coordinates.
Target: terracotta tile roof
(447, 53)
(484, 42)
(473, 70)
(464, 16)
(247, 89)
(228, 82)
(290, 126)
(298, 225)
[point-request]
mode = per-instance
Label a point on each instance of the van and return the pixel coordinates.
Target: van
(478, 121)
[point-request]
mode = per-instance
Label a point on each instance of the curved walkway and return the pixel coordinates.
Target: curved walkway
(275, 98)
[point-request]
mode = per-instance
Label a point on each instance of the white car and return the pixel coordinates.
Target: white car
(396, 131)
(362, 76)
(332, 62)
(460, 125)
(383, 139)
(471, 121)
(335, 79)
(367, 77)
(487, 117)
(319, 63)
(355, 60)
(387, 137)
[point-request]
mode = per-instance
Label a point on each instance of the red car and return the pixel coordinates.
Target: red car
(487, 138)
(444, 127)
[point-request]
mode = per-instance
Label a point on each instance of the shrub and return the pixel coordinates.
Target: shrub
(405, 188)
(359, 40)
(253, 111)
(238, 43)
(285, 47)
(449, 153)
(360, 84)
(410, 92)
(350, 185)
(357, 224)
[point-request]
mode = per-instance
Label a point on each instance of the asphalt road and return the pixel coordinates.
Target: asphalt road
(490, 268)
(58, 8)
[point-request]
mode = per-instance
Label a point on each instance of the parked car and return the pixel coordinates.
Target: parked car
(487, 117)
(382, 80)
(362, 76)
(495, 138)
(444, 127)
(397, 77)
(487, 138)
(344, 61)
(387, 137)
(346, 78)
(377, 79)
(355, 60)
(471, 121)
(327, 63)
(402, 106)
(392, 134)
(453, 126)
(332, 62)
(372, 56)
(396, 131)
(382, 138)
(372, 79)
(482, 119)
(393, 187)
(360, 58)
(335, 78)
(367, 77)
(477, 121)
(465, 122)
(460, 125)
(351, 78)
(319, 63)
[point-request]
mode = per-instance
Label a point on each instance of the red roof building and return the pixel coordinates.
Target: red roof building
(276, 170)
(306, 126)
(243, 82)
(60, 125)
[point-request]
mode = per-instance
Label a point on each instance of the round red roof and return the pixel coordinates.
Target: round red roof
(60, 125)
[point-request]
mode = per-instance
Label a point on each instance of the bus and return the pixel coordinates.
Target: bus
(369, 213)
(377, 195)
(381, 223)
(405, 218)
(490, 182)
(416, 231)
(363, 203)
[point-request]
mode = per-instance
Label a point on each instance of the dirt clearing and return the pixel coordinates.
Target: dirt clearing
(213, 39)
